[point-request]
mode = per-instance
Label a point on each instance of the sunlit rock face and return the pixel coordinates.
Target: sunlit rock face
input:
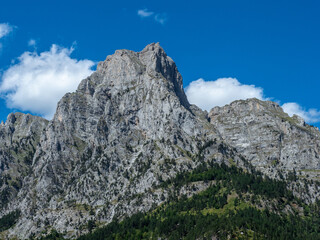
(127, 128)
(267, 136)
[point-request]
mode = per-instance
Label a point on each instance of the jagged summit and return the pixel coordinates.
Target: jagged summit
(132, 83)
(153, 47)
(126, 65)
(108, 141)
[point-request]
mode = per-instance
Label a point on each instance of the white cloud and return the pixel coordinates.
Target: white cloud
(32, 43)
(145, 13)
(5, 29)
(310, 116)
(38, 81)
(208, 94)
(160, 18)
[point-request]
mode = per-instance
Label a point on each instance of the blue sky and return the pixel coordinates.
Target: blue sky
(273, 45)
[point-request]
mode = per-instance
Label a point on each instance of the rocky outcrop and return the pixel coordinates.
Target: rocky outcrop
(127, 128)
(267, 137)
(278, 145)
(19, 139)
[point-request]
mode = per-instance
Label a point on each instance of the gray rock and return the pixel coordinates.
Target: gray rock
(19, 138)
(267, 136)
(273, 142)
(126, 128)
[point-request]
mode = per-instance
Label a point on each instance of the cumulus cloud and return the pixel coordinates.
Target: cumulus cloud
(37, 81)
(310, 116)
(158, 17)
(208, 94)
(145, 13)
(5, 29)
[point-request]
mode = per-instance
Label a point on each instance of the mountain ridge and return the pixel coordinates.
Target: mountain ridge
(127, 128)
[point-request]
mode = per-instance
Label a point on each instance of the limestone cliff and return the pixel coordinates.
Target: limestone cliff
(127, 128)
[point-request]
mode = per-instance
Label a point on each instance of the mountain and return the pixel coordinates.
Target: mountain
(273, 142)
(19, 139)
(117, 144)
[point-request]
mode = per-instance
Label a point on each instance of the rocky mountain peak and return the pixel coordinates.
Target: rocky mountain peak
(251, 105)
(125, 68)
(267, 136)
(151, 56)
(127, 129)
(139, 86)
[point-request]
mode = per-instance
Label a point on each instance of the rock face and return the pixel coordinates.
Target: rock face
(19, 138)
(128, 127)
(267, 137)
